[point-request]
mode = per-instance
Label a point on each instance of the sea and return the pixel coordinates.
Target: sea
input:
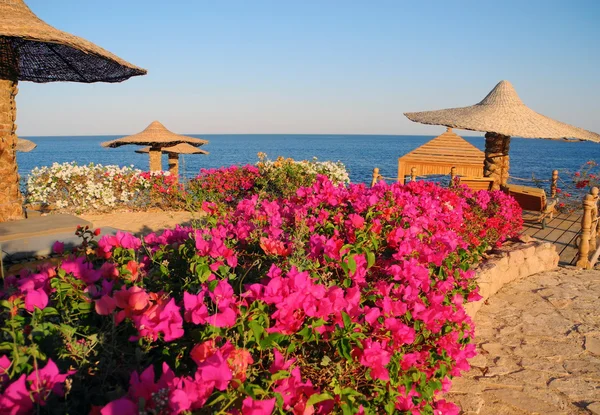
(360, 153)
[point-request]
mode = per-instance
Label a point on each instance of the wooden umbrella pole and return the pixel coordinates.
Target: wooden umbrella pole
(155, 159)
(496, 163)
(174, 164)
(11, 201)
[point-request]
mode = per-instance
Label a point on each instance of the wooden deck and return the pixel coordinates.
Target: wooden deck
(562, 231)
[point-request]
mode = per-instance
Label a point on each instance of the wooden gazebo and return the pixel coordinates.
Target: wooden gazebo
(439, 155)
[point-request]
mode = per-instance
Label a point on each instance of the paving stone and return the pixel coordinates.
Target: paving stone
(594, 408)
(539, 344)
(592, 345)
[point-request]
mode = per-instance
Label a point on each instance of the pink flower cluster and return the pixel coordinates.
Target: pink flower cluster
(227, 183)
(19, 396)
(271, 299)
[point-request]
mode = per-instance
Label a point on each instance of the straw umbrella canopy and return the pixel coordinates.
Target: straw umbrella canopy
(31, 50)
(157, 137)
(25, 146)
(174, 153)
(502, 114)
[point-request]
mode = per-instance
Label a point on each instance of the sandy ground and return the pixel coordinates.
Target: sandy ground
(539, 348)
(141, 222)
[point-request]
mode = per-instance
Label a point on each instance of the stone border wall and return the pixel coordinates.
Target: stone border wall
(510, 263)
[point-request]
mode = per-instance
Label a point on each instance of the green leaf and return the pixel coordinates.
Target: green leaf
(352, 264)
(316, 398)
(282, 374)
(347, 320)
(350, 392)
(212, 285)
(390, 407)
(272, 338)
(218, 399)
(6, 346)
(257, 330)
(344, 349)
(49, 311)
(370, 259)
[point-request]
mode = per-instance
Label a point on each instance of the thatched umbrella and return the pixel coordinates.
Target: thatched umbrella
(31, 50)
(501, 115)
(174, 153)
(157, 137)
(25, 146)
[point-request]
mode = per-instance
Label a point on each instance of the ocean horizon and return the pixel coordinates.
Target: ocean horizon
(360, 153)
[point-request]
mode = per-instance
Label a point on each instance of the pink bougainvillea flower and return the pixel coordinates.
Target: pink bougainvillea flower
(275, 247)
(58, 248)
(443, 407)
(295, 393)
(109, 271)
(121, 406)
(195, 310)
(46, 380)
(151, 395)
(36, 299)
(16, 399)
(107, 243)
(215, 369)
(4, 366)
(127, 240)
(132, 301)
(163, 317)
(81, 269)
(133, 274)
(375, 357)
(257, 407)
(238, 361)
(279, 363)
(105, 305)
(203, 351)
(356, 221)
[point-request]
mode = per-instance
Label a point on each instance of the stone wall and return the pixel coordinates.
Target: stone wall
(510, 263)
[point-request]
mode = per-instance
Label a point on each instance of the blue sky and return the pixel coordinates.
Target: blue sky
(322, 66)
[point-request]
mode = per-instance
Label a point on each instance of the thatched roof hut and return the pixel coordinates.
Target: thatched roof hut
(157, 136)
(502, 114)
(174, 153)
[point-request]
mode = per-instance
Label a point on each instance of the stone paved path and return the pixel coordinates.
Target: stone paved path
(539, 344)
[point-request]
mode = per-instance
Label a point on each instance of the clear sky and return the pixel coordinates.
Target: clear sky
(317, 66)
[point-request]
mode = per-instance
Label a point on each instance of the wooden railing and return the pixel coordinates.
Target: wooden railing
(590, 227)
(413, 177)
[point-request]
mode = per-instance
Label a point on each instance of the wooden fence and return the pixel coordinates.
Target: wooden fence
(590, 228)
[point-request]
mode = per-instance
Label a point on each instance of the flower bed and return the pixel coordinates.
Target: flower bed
(336, 300)
(73, 188)
(275, 179)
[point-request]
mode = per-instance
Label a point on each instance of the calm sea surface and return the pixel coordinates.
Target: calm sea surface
(360, 153)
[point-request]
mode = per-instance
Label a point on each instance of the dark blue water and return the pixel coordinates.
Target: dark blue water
(360, 153)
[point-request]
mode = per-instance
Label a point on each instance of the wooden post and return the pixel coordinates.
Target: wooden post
(11, 201)
(375, 176)
(553, 183)
(413, 174)
(155, 155)
(174, 165)
(586, 227)
(497, 162)
(594, 224)
(452, 173)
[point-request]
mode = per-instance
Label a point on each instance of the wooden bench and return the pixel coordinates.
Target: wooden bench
(476, 183)
(533, 199)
